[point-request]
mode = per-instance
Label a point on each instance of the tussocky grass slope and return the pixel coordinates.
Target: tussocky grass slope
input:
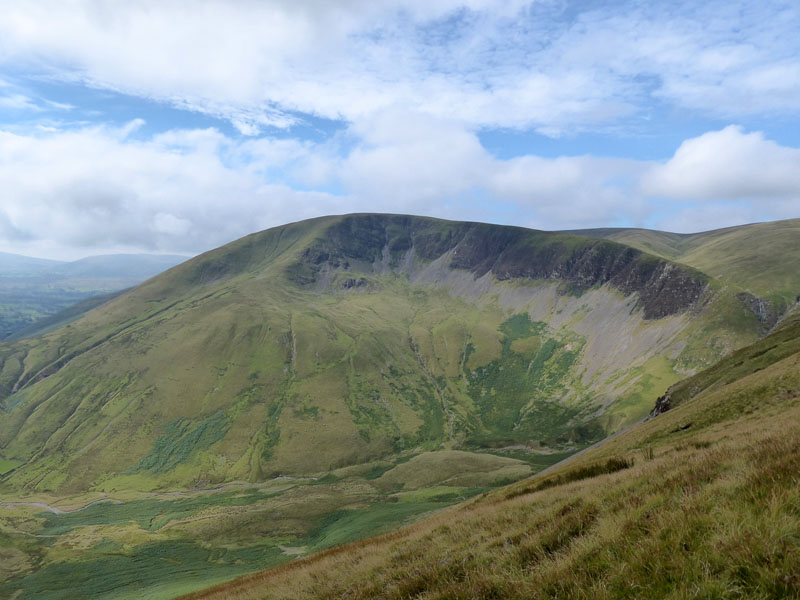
(698, 502)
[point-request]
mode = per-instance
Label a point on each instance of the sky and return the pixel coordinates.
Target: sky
(176, 126)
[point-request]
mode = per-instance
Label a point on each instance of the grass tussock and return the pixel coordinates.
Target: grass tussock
(612, 465)
(719, 518)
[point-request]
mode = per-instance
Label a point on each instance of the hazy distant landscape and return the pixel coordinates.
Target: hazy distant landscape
(31, 290)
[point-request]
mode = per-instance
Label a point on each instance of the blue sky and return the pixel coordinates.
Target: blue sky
(178, 126)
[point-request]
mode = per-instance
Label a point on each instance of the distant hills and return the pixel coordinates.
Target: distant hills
(32, 289)
(17, 265)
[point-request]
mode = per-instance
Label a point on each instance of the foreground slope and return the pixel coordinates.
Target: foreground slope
(760, 258)
(701, 501)
(342, 340)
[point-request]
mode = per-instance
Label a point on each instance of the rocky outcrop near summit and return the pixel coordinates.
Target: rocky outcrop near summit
(360, 242)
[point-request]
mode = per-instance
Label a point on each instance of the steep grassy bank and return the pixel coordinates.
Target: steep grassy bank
(702, 501)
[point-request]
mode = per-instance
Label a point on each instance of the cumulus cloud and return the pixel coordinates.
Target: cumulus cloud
(98, 189)
(554, 66)
(571, 192)
(727, 164)
(95, 190)
(412, 160)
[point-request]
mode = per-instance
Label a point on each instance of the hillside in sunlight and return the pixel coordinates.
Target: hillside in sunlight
(327, 380)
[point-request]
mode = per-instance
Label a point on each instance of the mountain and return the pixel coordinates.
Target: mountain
(384, 333)
(327, 380)
(698, 502)
(760, 258)
(32, 289)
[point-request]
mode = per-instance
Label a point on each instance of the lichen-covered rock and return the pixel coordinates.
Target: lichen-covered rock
(763, 309)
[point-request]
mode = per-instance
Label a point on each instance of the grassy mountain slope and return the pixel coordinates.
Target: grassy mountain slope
(698, 502)
(760, 258)
(32, 289)
(379, 334)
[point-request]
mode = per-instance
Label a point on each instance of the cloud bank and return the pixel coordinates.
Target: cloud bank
(410, 86)
(94, 189)
(555, 66)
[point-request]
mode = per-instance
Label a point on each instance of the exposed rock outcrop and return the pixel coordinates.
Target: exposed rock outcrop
(579, 263)
(663, 404)
(762, 309)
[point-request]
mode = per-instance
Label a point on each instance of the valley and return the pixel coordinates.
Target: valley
(38, 295)
(417, 300)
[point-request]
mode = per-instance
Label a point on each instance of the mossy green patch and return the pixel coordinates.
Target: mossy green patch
(349, 525)
(517, 394)
(118, 575)
(8, 465)
(149, 514)
(180, 439)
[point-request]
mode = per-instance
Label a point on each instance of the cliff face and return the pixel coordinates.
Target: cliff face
(579, 264)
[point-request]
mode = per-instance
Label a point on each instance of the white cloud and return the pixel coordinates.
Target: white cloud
(554, 66)
(409, 162)
(18, 102)
(572, 192)
(728, 164)
(95, 190)
(100, 189)
(413, 160)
